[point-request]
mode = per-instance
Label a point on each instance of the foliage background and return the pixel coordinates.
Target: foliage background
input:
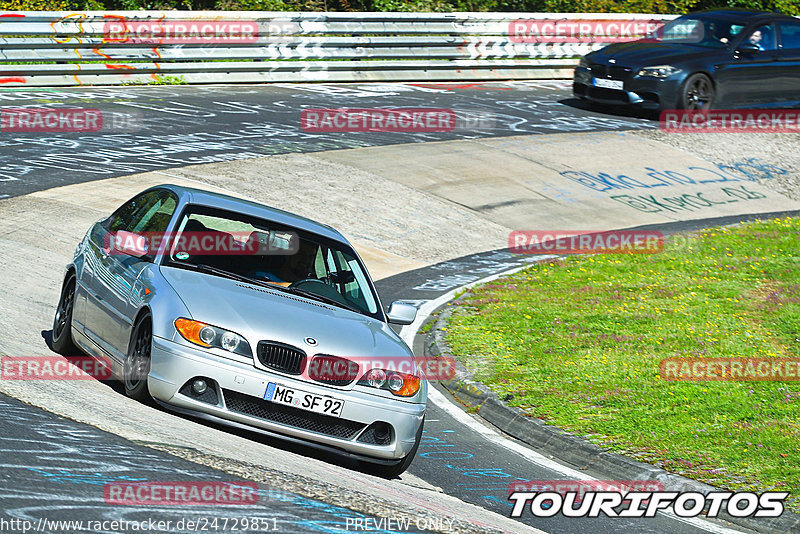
(791, 7)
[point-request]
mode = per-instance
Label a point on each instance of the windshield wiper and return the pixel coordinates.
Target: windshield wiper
(220, 272)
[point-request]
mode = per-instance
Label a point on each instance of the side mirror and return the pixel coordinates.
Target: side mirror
(401, 313)
(128, 243)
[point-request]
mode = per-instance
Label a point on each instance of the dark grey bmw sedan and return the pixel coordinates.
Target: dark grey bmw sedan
(711, 59)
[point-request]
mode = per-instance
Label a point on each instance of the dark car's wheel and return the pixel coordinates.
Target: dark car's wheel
(697, 93)
(137, 363)
(395, 470)
(62, 323)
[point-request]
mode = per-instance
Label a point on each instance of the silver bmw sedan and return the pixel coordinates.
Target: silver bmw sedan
(248, 315)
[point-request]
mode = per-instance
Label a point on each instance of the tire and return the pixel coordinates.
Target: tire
(697, 93)
(137, 362)
(395, 470)
(62, 323)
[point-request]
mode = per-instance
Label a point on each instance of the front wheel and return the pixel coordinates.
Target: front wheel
(395, 470)
(697, 93)
(137, 363)
(62, 323)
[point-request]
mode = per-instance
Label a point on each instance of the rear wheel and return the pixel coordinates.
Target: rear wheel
(137, 363)
(62, 323)
(697, 93)
(395, 470)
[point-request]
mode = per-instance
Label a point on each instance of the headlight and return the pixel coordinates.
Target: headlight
(207, 336)
(659, 71)
(583, 62)
(375, 378)
(401, 384)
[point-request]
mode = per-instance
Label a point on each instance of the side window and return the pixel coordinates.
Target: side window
(126, 216)
(763, 37)
(157, 217)
(790, 34)
(354, 282)
(148, 212)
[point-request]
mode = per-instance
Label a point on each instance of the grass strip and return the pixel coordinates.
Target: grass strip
(578, 342)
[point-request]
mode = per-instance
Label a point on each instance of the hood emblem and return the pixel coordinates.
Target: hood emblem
(311, 341)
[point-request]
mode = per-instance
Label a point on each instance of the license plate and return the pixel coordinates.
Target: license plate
(303, 400)
(608, 84)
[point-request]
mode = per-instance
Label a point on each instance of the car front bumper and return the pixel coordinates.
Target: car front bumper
(240, 390)
(641, 91)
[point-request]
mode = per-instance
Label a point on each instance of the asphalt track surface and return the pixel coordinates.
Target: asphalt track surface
(56, 469)
(188, 125)
(152, 128)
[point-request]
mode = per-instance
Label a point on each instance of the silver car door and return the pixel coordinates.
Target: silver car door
(116, 271)
(86, 297)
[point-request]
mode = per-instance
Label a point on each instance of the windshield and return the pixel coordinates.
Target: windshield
(221, 242)
(708, 32)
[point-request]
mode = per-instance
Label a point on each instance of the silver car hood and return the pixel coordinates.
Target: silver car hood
(259, 313)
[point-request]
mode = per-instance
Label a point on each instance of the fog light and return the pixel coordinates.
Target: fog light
(382, 432)
(199, 386)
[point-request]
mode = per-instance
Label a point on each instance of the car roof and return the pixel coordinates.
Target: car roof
(744, 16)
(202, 197)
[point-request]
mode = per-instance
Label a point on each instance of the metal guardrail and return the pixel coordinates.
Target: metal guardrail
(95, 47)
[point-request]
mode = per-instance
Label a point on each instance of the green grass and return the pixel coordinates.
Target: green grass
(159, 80)
(429, 323)
(578, 343)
